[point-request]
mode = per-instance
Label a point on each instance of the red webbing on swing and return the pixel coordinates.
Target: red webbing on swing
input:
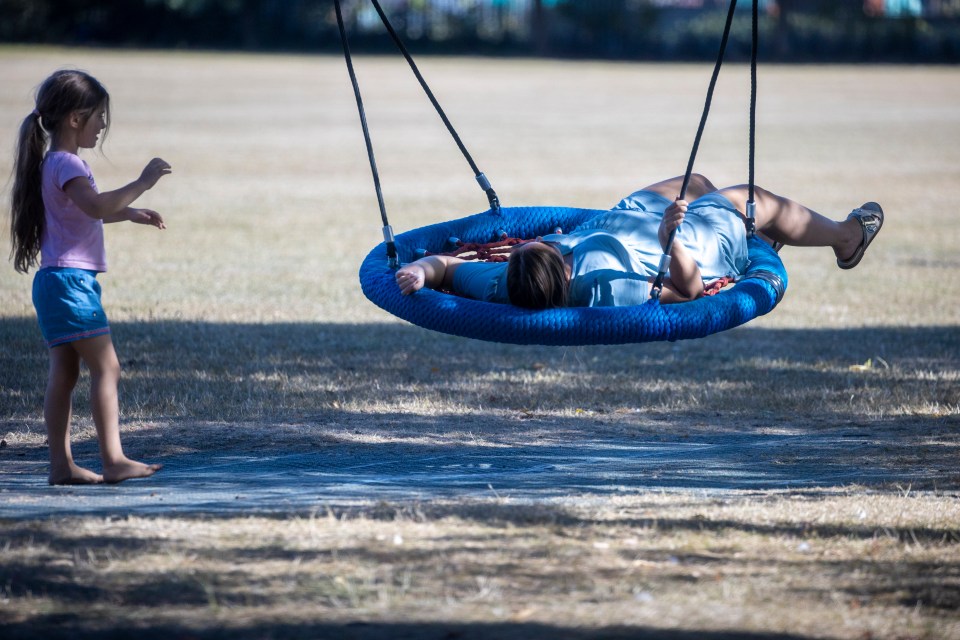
(499, 251)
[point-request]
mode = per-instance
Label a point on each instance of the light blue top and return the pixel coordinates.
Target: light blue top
(616, 254)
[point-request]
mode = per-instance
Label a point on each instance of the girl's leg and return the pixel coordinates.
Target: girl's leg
(698, 186)
(57, 411)
(791, 223)
(101, 358)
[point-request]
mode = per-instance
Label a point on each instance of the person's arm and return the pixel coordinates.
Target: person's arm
(433, 272)
(685, 282)
(138, 216)
(114, 206)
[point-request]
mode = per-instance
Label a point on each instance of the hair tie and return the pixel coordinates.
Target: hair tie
(36, 113)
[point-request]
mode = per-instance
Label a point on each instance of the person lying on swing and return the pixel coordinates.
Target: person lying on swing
(613, 258)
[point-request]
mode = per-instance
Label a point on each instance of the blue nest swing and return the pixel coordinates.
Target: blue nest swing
(755, 294)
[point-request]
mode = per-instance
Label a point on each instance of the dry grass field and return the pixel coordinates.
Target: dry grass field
(242, 331)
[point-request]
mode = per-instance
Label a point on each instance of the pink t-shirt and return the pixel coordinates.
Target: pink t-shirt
(70, 237)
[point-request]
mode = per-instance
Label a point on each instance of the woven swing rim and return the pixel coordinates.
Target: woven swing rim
(756, 294)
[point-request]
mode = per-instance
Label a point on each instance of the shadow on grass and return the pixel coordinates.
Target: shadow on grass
(395, 631)
(201, 587)
(299, 416)
(935, 584)
(222, 371)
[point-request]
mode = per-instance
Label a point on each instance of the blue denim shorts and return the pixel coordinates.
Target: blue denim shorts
(68, 306)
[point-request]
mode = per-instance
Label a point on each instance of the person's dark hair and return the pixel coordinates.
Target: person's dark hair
(60, 95)
(537, 279)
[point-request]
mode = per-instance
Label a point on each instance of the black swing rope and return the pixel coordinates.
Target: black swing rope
(754, 39)
(657, 287)
(481, 178)
(387, 229)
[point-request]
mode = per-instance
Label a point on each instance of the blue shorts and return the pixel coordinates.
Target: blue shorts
(68, 306)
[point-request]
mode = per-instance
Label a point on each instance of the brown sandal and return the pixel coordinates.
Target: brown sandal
(870, 217)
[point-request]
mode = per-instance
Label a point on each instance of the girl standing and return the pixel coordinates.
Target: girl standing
(57, 216)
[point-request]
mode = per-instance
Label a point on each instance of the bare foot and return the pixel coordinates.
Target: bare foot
(127, 469)
(73, 474)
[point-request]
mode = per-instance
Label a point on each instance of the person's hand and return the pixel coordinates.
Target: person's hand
(411, 278)
(155, 169)
(672, 218)
(146, 216)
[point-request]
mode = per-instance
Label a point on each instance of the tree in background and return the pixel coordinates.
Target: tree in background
(792, 30)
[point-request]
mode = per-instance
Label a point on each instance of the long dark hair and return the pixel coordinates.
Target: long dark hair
(63, 93)
(537, 279)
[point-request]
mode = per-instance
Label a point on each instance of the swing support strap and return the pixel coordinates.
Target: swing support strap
(482, 179)
(657, 287)
(751, 205)
(392, 258)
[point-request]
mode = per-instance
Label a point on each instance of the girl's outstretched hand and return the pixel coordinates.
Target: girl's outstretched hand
(155, 169)
(146, 216)
(411, 278)
(672, 218)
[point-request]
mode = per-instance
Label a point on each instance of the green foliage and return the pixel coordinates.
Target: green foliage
(616, 29)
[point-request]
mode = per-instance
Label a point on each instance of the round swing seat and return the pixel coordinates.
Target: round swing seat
(757, 293)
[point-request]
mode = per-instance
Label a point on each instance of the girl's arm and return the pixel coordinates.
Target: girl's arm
(685, 282)
(433, 272)
(109, 205)
(140, 216)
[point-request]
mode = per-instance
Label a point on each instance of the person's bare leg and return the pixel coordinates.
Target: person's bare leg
(57, 412)
(698, 186)
(101, 358)
(789, 222)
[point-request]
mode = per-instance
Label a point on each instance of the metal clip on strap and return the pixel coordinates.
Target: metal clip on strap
(657, 287)
(664, 263)
(751, 221)
(491, 194)
(392, 259)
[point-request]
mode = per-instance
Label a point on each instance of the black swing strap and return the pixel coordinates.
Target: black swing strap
(657, 287)
(480, 176)
(387, 229)
(755, 39)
